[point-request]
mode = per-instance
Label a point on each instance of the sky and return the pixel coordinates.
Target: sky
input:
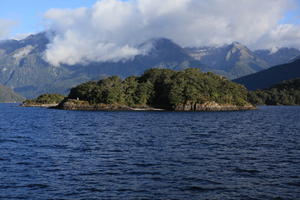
(26, 16)
(112, 29)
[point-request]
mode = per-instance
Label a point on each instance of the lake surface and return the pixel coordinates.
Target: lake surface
(54, 154)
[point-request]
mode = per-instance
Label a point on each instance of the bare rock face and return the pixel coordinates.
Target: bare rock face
(211, 106)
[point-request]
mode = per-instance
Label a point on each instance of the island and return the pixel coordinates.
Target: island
(160, 89)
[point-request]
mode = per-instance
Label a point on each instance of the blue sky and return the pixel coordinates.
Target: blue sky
(28, 14)
(293, 16)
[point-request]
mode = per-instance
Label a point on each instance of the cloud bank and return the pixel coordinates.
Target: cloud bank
(112, 30)
(5, 28)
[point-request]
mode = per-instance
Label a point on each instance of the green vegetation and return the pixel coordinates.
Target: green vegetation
(286, 93)
(162, 88)
(46, 99)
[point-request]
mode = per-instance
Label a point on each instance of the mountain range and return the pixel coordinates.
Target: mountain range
(236, 60)
(23, 68)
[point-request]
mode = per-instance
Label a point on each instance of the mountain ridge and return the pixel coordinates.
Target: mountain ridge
(7, 95)
(236, 60)
(23, 68)
(272, 76)
(280, 56)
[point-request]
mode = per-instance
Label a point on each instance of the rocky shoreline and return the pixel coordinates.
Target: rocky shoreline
(39, 105)
(72, 104)
(212, 106)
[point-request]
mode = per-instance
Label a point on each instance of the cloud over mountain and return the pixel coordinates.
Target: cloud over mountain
(5, 27)
(112, 30)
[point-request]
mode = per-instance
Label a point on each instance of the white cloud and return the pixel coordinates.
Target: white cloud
(22, 36)
(21, 53)
(5, 28)
(283, 35)
(112, 29)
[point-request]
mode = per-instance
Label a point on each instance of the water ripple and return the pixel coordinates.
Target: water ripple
(50, 154)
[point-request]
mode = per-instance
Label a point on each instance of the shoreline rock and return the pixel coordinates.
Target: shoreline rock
(212, 106)
(72, 104)
(39, 105)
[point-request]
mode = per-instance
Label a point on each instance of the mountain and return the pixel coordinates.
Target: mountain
(274, 75)
(23, 68)
(163, 54)
(279, 56)
(8, 95)
(297, 58)
(234, 60)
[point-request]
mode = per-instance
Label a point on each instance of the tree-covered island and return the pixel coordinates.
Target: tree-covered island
(187, 90)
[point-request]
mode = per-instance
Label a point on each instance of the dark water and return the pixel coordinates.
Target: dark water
(52, 154)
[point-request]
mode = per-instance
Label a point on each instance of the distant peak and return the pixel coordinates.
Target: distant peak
(162, 41)
(155, 41)
(36, 39)
(37, 35)
(274, 50)
(238, 45)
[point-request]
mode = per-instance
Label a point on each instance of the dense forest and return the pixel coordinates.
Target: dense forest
(286, 93)
(45, 99)
(162, 88)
